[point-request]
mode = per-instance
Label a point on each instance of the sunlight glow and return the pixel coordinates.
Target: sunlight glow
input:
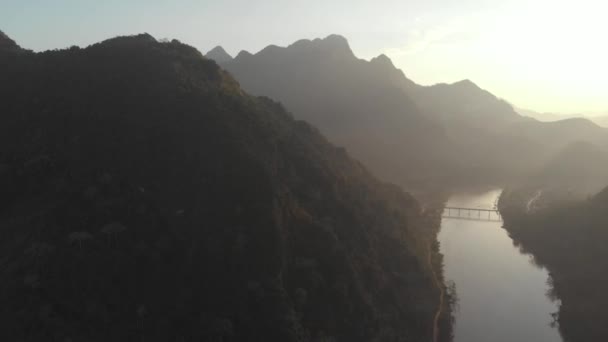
(544, 55)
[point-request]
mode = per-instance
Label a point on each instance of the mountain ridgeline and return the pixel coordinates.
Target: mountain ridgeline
(145, 196)
(599, 118)
(350, 100)
(422, 137)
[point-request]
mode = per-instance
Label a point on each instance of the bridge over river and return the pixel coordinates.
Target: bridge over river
(502, 296)
(472, 214)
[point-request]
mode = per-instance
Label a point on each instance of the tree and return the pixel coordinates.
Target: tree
(39, 249)
(113, 229)
(79, 236)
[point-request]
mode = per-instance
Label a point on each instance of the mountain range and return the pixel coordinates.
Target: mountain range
(350, 100)
(599, 118)
(420, 137)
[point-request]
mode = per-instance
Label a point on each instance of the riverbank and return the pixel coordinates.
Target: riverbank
(442, 325)
(569, 239)
(443, 329)
(501, 295)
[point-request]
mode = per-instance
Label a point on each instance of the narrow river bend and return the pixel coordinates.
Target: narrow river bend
(501, 293)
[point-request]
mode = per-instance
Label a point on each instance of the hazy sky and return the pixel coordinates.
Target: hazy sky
(538, 54)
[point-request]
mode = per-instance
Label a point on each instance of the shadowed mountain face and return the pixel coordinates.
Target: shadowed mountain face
(145, 196)
(437, 136)
(356, 103)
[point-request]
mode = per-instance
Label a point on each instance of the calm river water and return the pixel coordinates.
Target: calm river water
(501, 293)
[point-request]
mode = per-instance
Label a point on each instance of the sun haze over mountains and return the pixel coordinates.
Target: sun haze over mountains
(515, 49)
(344, 171)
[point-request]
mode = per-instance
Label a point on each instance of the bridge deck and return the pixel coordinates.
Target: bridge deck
(472, 213)
(472, 209)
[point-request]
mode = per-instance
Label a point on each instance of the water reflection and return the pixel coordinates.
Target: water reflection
(501, 293)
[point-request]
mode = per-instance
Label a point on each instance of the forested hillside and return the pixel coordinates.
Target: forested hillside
(145, 196)
(568, 238)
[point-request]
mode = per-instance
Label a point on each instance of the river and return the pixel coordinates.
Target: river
(501, 293)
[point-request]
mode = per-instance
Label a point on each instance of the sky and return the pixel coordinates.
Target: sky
(542, 55)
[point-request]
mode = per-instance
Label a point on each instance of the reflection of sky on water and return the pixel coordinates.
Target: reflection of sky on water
(502, 295)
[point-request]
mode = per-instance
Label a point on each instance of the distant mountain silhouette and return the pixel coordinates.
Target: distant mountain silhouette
(354, 102)
(464, 102)
(219, 55)
(576, 172)
(581, 168)
(417, 136)
(547, 117)
(145, 196)
(558, 134)
(402, 131)
(567, 160)
(601, 120)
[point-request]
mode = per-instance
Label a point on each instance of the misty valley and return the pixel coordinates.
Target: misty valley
(300, 193)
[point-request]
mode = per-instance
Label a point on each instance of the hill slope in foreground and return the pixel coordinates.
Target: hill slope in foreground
(146, 197)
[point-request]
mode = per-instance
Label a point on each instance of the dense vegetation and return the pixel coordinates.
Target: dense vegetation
(577, 172)
(7, 45)
(145, 196)
(568, 237)
(556, 215)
